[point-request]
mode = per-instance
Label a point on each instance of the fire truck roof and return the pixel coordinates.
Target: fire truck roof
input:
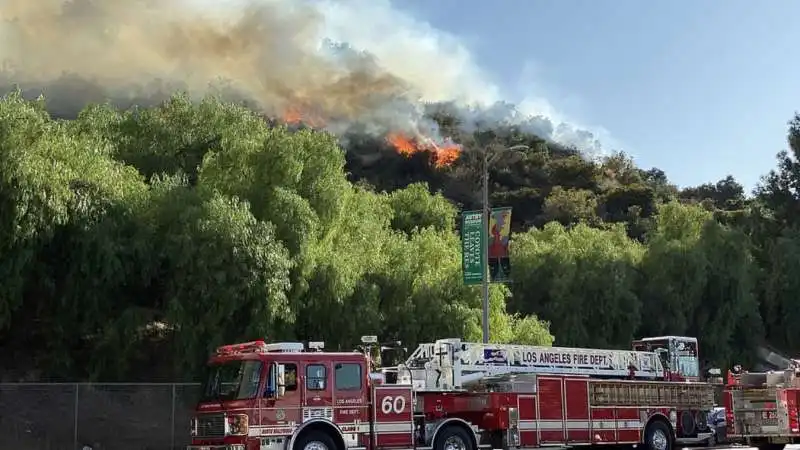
(287, 350)
(663, 338)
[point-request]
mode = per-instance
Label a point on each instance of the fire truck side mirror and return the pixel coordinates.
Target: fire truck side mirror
(275, 385)
(281, 381)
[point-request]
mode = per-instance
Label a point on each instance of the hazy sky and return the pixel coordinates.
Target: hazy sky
(700, 89)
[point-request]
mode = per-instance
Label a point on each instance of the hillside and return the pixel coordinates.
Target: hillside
(134, 241)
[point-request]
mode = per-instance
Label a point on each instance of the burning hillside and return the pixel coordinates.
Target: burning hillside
(284, 57)
(443, 154)
(268, 52)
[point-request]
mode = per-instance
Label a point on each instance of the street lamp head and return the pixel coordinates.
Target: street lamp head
(515, 151)
(518, 148)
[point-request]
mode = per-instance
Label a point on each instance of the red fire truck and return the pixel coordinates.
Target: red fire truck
(762, 408)
(452, 395)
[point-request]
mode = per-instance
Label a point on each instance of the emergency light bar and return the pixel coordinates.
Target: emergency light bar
(247, 347)
(285, 347)
(260, 347)
(317, 346)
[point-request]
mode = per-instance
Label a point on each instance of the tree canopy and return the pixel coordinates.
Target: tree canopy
(132, 242)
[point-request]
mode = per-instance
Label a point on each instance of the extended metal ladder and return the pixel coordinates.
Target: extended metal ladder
(621, 393)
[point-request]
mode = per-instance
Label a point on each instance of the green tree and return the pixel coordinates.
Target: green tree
(725, 194)
(62, 197)
(130, 238)
(779, 190)
(583, 281)
(414, 207)
(570, 206)
(698, 279)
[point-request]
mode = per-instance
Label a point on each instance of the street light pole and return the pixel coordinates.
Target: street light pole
(485, 225)
(487, 232)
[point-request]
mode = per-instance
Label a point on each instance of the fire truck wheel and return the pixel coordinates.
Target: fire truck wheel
(771, 446)
(657, 436)
(453, 438)
(315, 440)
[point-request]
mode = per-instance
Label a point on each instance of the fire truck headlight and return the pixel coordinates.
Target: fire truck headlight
(236, 425)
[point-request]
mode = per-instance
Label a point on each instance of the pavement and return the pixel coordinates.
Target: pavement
(738, 447)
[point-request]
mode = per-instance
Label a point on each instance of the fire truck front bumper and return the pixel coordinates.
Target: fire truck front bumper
(216, 447)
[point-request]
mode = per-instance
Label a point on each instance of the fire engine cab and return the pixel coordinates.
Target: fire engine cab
(452, 395)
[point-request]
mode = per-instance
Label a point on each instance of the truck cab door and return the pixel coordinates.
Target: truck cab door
(282, 397)
(317, 391)
(351, 402)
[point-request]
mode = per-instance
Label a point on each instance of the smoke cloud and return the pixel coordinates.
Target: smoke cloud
(346, 61)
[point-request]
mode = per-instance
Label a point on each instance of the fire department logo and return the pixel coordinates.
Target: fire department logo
(280, 414)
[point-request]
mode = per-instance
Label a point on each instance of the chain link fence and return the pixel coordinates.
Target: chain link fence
(78, 416)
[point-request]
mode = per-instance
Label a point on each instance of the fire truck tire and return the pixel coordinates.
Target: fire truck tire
(771, 446)
(453, 438)
(657, 436)
(315, 440)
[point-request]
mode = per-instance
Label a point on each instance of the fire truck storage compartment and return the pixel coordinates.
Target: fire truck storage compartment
(565, 415)
(393, 416)
(551, 410)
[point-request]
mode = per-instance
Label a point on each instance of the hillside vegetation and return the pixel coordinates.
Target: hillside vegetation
(132, 242)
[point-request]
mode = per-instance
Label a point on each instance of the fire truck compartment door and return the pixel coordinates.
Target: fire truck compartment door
(393, 415)
(552, 410)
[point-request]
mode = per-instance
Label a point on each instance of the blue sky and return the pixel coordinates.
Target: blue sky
(698, 89)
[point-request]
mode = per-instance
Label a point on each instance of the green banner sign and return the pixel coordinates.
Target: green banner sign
(473, 244)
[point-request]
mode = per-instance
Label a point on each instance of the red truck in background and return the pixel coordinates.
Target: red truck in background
(453, 395)
(763, 408)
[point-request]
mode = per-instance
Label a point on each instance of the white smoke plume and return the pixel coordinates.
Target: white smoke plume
(346, 61)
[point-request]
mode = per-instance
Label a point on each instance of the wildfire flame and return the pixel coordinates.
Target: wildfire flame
(443, 155)
(297, 114)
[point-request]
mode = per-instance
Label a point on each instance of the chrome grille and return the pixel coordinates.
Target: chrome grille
(317, 413)
(210, 425)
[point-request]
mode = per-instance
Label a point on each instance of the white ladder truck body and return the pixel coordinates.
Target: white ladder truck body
(449, 364)
(649, 395)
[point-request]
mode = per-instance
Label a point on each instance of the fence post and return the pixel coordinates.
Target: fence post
(75, 424)
(172, 427)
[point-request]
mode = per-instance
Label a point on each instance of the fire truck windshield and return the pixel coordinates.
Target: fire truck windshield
(232, 380)
(688, 366)
(678, 354)
(684, 353)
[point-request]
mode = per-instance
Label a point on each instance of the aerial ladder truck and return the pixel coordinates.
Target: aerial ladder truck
(454, 395)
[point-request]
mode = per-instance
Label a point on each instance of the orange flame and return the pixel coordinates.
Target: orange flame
(402, 144)
(296, 114)
(443, 155)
